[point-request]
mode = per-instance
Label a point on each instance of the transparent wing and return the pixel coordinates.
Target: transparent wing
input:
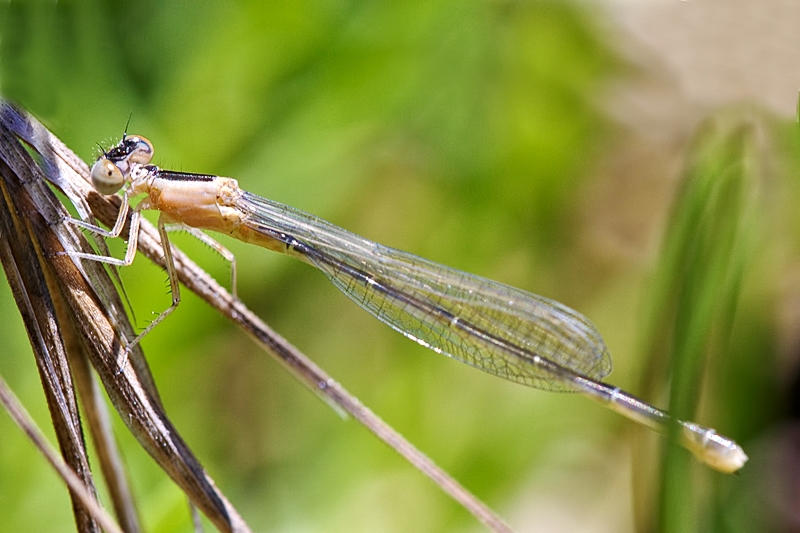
(494, 327)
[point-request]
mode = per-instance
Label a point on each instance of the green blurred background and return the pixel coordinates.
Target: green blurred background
(482, 135)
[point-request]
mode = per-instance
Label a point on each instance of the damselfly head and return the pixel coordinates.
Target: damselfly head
(113, 167)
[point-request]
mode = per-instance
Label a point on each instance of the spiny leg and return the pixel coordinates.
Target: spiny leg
(174, 288)
(115, 231)
(214, 245)
(133, 238)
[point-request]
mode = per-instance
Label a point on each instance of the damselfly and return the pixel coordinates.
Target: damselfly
(499, 329)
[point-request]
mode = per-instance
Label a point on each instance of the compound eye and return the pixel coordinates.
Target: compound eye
(107, 178)
(142, 151)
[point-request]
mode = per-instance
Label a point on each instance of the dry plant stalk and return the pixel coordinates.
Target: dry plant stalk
(21, 262)
(93, 308)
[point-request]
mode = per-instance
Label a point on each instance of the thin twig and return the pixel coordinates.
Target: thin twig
(27, 424)
(73, 179)
(299, 365)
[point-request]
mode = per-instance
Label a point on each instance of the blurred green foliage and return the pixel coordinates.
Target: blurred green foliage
(460, 131)
(710, 243)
